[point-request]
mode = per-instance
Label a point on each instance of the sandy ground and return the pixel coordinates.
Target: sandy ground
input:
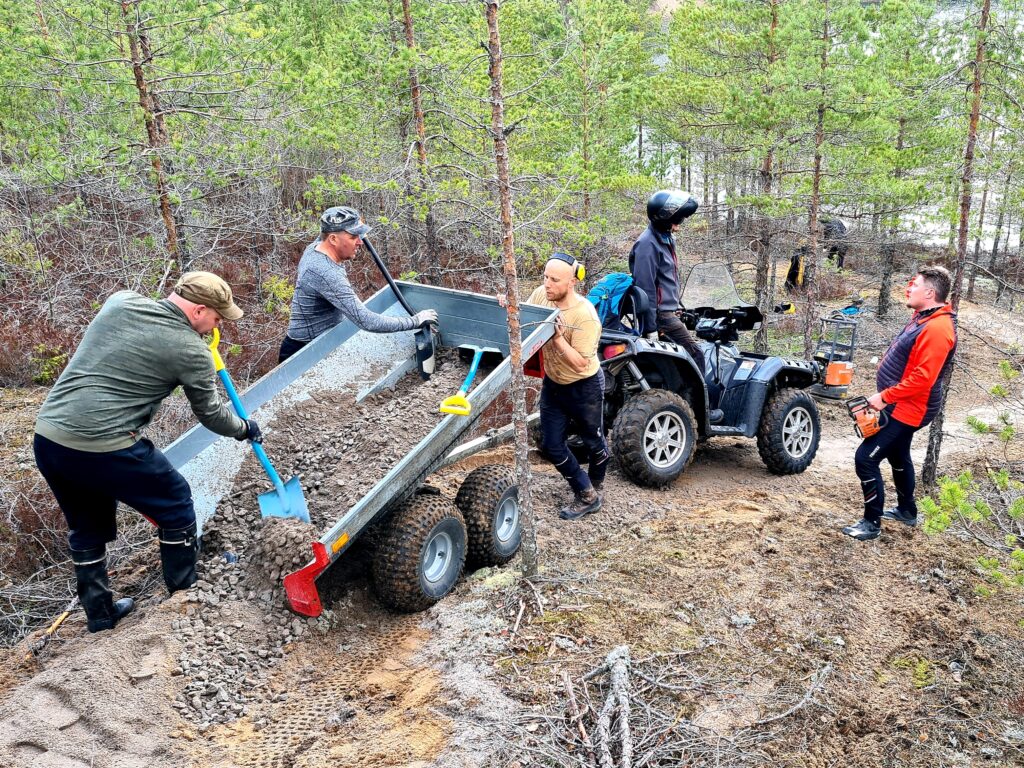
(924, 671)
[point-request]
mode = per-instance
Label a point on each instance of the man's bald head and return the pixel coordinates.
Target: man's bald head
(559, 280)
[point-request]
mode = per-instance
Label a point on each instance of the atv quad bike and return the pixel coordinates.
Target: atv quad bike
(659, 406)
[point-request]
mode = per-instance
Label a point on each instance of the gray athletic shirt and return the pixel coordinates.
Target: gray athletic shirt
(324, 297)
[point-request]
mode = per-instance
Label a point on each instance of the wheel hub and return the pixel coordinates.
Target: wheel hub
(436, 557)
(664, 439)
(797, 432)
(506, 521)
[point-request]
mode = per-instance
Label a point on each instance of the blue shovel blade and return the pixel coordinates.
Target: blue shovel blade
(292, 505)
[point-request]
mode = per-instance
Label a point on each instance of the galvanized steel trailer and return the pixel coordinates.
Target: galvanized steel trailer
(348, 358)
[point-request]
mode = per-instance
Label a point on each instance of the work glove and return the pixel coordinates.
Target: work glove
(253, 432)
(652, 336)
(425, 318)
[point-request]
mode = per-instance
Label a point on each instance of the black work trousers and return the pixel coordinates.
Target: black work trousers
(88, 487)
(578, 407)
(674, 329)
(892, 442)
(288, 348)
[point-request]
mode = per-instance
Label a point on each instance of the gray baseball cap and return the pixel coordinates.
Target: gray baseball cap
(341, 218)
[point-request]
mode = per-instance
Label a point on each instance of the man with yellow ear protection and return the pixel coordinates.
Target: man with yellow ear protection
(572, 392)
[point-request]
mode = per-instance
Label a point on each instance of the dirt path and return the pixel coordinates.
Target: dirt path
(923, 671)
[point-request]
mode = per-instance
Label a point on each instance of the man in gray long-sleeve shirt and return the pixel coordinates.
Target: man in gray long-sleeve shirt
(323, 294)
(88, 446)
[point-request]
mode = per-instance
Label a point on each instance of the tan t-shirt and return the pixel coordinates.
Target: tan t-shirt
(582, 331)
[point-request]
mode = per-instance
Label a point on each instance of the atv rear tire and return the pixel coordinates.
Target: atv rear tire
(788, 435)
(654, 437)
(489, 502)
(420, 554)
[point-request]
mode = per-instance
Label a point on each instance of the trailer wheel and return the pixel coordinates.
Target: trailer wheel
(654, 437)
(420, 554)
(489, 502)
(788, 435)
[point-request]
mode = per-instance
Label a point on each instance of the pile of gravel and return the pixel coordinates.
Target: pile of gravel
(237, 626)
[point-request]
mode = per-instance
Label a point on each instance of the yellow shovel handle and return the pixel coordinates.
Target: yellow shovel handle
(218, 361)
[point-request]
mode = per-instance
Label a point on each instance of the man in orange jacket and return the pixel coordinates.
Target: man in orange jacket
(910, 380)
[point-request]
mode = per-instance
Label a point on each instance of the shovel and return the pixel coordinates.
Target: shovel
(286, 500)
(458, 404)
(424, 336)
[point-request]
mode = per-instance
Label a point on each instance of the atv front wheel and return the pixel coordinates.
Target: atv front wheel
(788, 435)
(654, 437)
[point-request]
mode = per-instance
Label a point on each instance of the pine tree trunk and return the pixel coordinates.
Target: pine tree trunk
(810, 268)
(929, 473)
(157, 136)
(640, 145)
(981, 224)
(993, 262)
(416, 95)
(889, 245)
(412, 240)
(523, 476)
(763, 244)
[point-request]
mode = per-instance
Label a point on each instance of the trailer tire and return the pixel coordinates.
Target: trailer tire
(789, 431)
(489, 501)
(646, 419)
(420, 554)
(534, 436)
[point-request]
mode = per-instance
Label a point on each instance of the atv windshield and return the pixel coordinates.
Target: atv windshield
(710, 285)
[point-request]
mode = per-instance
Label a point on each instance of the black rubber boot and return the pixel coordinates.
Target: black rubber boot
(101, 612)
(179, 549)
(865, 530)
(584, 504)
(900, 516)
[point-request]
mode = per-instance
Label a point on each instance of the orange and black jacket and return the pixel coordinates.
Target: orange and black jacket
(916, 366)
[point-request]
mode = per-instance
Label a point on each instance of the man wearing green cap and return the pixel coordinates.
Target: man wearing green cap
(88, 443)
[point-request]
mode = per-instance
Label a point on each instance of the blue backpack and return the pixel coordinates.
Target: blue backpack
(615, 295)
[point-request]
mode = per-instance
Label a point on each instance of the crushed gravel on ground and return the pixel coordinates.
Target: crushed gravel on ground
(237, 625)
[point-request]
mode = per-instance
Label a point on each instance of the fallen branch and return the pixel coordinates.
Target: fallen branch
(616, 664)
(577, 717)
(519, 618)
(817, 680)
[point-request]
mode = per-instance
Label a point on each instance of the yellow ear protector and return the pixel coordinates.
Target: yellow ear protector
(578, 269)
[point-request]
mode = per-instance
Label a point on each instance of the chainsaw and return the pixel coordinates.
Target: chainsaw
(866, 420)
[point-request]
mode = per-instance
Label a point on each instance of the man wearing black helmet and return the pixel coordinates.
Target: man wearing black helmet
(323, 294)
(652, 262)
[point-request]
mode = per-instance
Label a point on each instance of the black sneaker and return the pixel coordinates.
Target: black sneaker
(863, 530)
(585, 503)
(900, 516)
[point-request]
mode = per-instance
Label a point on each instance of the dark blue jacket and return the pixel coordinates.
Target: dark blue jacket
(652, 262)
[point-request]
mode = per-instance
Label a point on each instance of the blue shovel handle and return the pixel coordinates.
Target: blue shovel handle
(472, 371)
(229, 387)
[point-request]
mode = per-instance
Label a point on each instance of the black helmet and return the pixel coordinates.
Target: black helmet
(341, 218)
(670, 206)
